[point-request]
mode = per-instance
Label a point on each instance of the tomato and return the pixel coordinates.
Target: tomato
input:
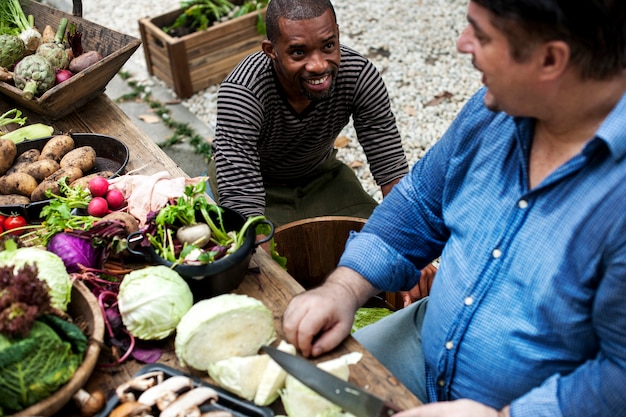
(2, 219)
(13, 222)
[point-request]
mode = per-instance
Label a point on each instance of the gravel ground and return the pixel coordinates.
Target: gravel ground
(412, 43)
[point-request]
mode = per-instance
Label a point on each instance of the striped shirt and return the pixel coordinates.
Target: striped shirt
(260, 138)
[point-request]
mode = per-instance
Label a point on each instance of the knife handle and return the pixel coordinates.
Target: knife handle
(388, 410)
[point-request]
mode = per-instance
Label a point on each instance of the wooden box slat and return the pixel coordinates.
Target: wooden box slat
(190, 63)
(64, 98)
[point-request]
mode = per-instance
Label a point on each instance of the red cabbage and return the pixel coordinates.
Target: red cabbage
(74, 250)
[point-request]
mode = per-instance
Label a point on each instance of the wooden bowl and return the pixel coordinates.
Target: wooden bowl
(85, 311)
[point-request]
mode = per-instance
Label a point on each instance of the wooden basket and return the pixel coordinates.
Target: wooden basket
(85, 311)
(193, 62)
(64, 98)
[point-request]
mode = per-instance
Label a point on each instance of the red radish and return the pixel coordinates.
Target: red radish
(98, 207)
(98, 186)
(115, 199)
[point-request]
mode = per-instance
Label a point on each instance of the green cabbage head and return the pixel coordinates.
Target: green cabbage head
(152, 301)
(50, 268)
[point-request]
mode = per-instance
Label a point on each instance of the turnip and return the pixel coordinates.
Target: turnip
(98, 186)
(98, 207)
(115, 199)
(197, 234)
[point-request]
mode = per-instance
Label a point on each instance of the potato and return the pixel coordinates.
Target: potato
(17, 183)
(83, 158)
(84, 181)
(52, 182)
(8, 150)
(39, 170)
(57, 147)
(24, 159)
(84, 61)
(13, 200)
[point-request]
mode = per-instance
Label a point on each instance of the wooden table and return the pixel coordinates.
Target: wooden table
(272, 285)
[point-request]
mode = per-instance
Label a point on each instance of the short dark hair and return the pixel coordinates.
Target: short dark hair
(595, 30)
(293, 10)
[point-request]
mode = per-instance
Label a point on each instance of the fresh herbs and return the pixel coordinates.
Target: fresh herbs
(201, 14)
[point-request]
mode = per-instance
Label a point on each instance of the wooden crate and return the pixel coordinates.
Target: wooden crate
(190, 63)
(64, 98)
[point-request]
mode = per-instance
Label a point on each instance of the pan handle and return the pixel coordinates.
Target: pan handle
(135, 237)
(268, 237)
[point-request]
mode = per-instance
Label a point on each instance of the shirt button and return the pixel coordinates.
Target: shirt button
(442, 382)
(522, 204)
(496, 253)
(449, 345)
(468, 301)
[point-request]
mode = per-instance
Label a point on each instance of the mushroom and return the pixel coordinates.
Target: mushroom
(131, 409)
(89, 404)
(139, 383)
(189, 403)
(217, 413)
(166, 392)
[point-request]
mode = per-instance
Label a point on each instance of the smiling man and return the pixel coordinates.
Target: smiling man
(523, 200)
(280, 111)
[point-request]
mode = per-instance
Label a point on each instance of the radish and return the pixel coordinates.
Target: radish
(115, 199)
(98, 207)
(98, 186)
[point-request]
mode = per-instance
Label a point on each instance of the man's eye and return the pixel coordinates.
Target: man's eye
(330, 45)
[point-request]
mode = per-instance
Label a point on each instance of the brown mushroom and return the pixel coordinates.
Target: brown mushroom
(140, 383)
(188, 404)
(131, 409)
(166, 392)
(89, 403)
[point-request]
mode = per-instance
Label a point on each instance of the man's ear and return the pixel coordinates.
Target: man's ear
(268, 49)
(555, 59)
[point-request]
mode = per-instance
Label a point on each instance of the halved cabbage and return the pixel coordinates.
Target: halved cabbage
(222, 327)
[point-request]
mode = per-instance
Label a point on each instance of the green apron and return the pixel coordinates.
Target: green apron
(332, 190)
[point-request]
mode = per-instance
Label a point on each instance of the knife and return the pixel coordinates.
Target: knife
(349, 397)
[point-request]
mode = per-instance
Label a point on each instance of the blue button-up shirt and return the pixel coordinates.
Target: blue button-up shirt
(528, 307)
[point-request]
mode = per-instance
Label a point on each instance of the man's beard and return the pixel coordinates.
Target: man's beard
(319, 97)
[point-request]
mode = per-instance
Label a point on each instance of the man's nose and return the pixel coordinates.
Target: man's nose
(464, 43)
(316, 63)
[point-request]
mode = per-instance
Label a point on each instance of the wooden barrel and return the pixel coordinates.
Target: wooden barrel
(313, 246)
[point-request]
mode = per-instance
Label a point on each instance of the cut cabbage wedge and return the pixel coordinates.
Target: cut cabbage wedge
(273, 378)
(240, 374)
(222, 327)
(301, 401)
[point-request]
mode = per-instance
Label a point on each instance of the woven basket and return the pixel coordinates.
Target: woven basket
(85, 311)
(116, 48)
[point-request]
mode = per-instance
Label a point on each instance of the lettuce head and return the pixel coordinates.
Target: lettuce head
(50, 268)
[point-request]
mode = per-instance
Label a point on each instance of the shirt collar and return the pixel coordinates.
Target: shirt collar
(613, 130)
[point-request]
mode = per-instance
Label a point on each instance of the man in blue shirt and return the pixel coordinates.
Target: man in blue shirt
(524, 200)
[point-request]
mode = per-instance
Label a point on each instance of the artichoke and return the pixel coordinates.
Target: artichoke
(12, 49)
(33, 75)
(55, 54)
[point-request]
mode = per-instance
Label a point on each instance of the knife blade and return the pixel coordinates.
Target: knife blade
(349, 397)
